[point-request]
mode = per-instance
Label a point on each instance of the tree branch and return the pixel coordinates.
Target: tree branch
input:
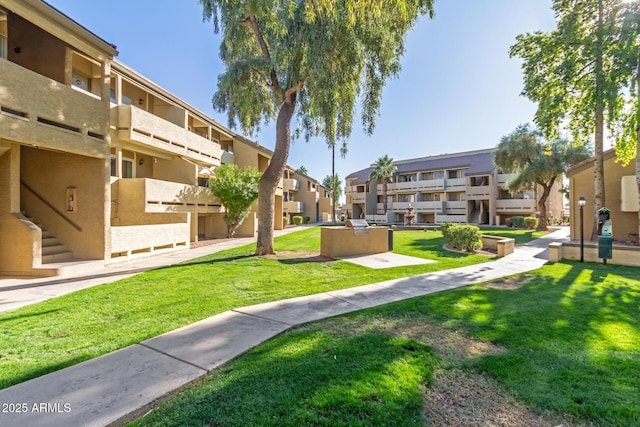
(296, 88)
(253, 23)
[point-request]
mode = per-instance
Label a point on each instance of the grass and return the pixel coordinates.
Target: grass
(560, 345)
(57, 333)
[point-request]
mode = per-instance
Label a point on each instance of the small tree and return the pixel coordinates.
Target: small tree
(303, 170)
(336, 188)
(383, 169)
(237, 189)
(536, 163)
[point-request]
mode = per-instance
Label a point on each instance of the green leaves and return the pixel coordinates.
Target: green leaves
(237, 189)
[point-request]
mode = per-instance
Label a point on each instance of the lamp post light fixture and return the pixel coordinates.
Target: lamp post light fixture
(581, 202)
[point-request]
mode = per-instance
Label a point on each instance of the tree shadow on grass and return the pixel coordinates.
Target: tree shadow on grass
(572, 332)
(311, 378)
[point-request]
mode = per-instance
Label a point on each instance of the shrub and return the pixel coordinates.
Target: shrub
(306, 219)
(466, 237)
(285, 221)
(297, 220)
(530, 222)
(515, 222)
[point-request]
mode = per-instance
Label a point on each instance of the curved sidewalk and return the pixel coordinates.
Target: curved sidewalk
(123, 384)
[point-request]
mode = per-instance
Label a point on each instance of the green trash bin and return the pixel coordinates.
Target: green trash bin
(605, 247)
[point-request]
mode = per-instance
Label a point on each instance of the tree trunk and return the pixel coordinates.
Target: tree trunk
(271, 177)
(384, 195)
(638, 142)
(333, 182)
(542, 206)
(598, 166)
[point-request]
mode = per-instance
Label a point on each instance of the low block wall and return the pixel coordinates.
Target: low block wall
(502, 245)
(622, 255)
(141, 239)
(341, 241)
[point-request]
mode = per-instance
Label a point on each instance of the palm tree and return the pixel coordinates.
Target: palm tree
(383, 169)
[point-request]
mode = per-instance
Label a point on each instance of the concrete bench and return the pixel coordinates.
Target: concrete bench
(502, 245)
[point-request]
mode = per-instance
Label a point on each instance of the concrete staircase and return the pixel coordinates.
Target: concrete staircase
(52, 250)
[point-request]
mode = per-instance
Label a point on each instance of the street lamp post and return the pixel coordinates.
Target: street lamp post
(581, 202)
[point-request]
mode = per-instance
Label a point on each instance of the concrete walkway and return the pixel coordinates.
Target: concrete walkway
(124, 384)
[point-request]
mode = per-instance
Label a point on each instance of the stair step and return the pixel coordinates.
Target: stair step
(46, 234)
(57, 257)
(49, 241)
(54, 249)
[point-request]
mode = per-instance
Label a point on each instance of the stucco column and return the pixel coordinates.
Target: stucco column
(492, 198)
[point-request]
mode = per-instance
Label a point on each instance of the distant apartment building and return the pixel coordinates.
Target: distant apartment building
(461, 187)
(306, 197)
(96, 161)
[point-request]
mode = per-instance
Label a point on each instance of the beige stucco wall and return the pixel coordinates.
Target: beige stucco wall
(341, 241)
(50, 174)
(620, 256)
(581, 183)
(20, 240)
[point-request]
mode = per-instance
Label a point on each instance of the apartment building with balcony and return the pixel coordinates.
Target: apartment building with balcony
(461, 187)
(54, 138)
(305, 196)
(96, 161)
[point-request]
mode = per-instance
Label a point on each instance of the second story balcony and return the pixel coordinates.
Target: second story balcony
(136, 125)
(515, 206)
(291, 184)
(358, 197)
(38, 110)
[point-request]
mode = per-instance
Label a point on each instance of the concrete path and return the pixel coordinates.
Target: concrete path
(124, 384)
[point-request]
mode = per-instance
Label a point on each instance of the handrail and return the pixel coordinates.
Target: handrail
(53, 208)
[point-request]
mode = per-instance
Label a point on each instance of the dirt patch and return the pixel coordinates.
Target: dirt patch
(299, 256)
(509, 283)
(460, 398)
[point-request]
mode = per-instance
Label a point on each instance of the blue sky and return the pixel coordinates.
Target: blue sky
(458, 89)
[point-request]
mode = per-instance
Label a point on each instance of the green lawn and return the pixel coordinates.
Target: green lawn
(57, 333)
(558, 345)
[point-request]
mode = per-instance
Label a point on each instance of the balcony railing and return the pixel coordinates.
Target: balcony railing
(40, 110)
(516, 205)
(478, 191)
(164, 196)
(293, 207)
(137, 125)
(455, 184)
(291, 184)
(502, 179)
(423, 185)
(358, 197)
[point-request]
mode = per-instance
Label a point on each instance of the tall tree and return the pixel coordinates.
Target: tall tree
(568, 73)
(313, 58)
(237, 189)
(536, 162)
(303, 170)
(383, 169)
(628, 60)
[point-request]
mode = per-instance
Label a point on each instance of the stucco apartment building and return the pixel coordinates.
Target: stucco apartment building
(96, 161)
(621, 197)
(461, 187)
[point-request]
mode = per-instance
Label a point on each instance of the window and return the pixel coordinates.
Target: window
(438, 175)
(114, 171)
(127, 168)
(3, 47)
(81, 82)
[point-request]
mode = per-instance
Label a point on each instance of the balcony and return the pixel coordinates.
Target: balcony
(156, 196)
(414, 186)
(292, 207)
(291, 184)
(455, 184)
(358, 197)
(455, 207)
(502, 178)
(516, 206)
(138, 126)
(38, 110)
(475, 192)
